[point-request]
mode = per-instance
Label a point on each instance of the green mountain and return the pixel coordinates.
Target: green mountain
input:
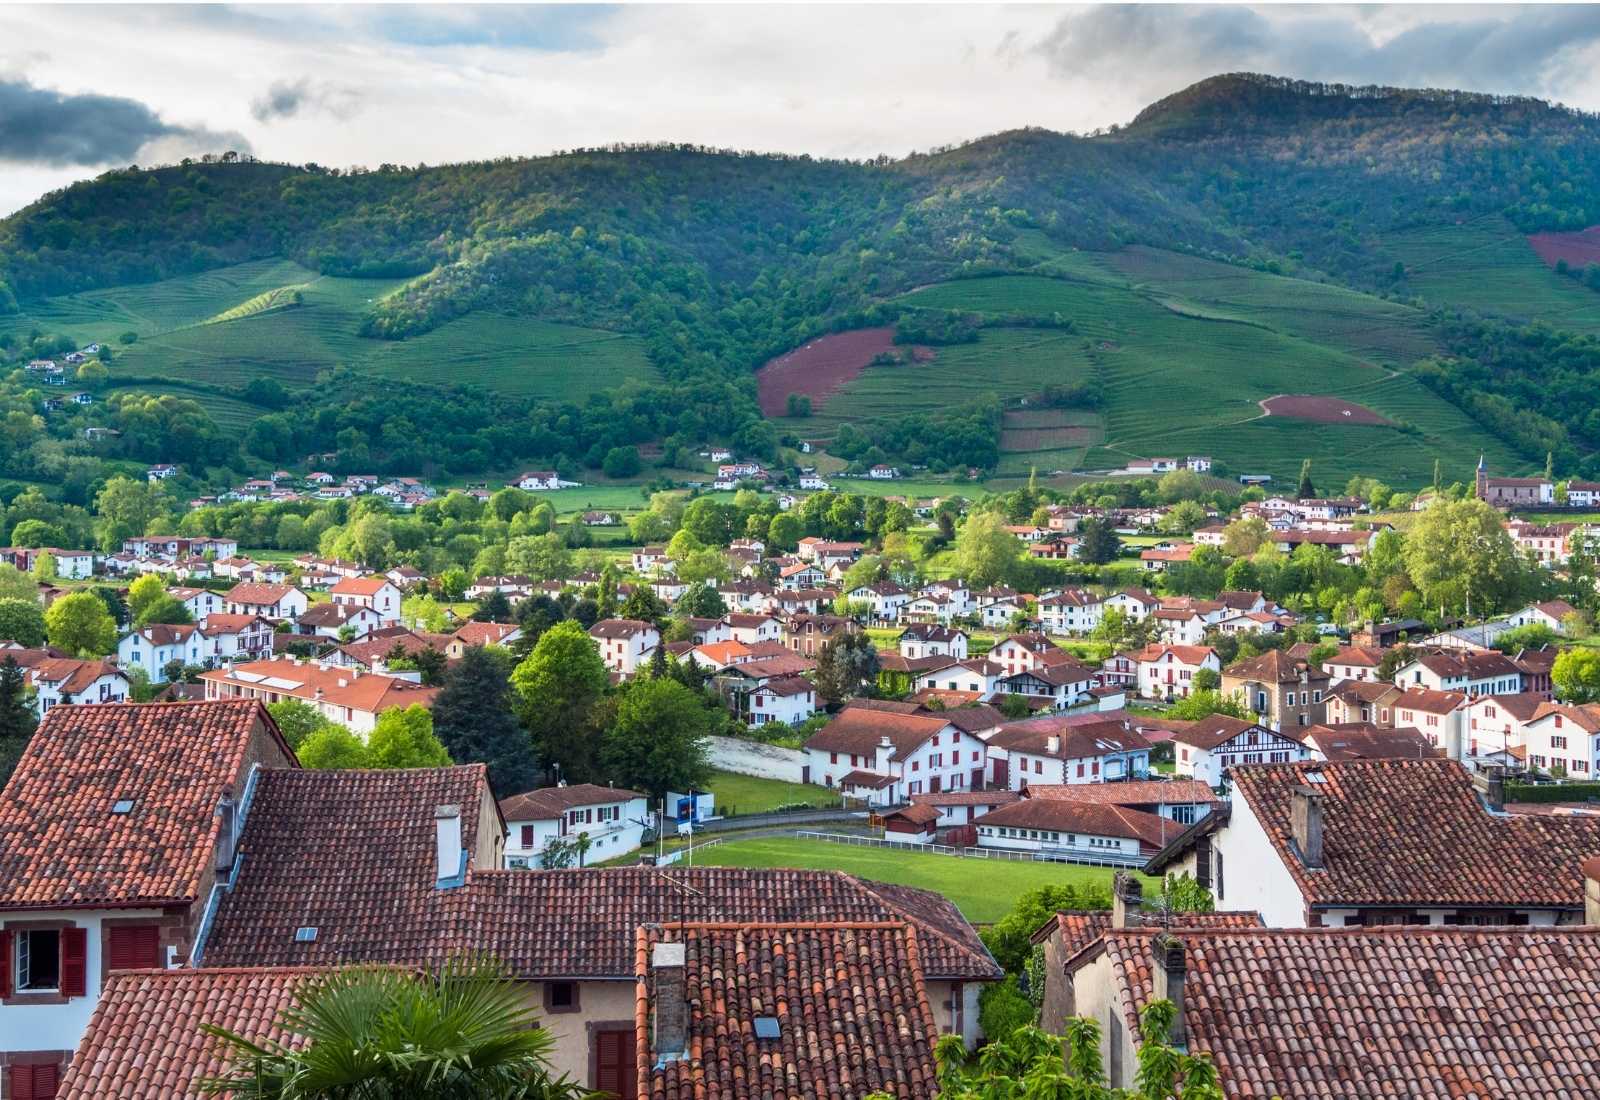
(1247, 237)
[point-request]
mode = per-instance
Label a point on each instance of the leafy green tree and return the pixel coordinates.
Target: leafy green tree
(1003, 1009)
(374, 1032)
(166, 609)
(847, 666)
(621, 462)
(1460, 557)
(1306, 488)
(1576, 675)
(473, 720)
(495, 607)
(1206, 679)
(542, 557)
(22, 621)
(144, 591)
(17, 585)
(331, 747)
(1243, 537)
(126, 508)
(296, 720)
(784, 531)
(34, 533)
(559, 688)
(1098, 542)
(657, 741)
(17, 720)
(80, 624)
(44, 568)
(1181, 485)
(1201, 704)
(798, 405)
(1183, 517)
(403, 737)
(701, 601)
(986, 553)
(643, 604)
(1009, 939)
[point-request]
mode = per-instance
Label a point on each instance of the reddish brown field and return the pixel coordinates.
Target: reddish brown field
(818, 369)
(1579, 249)
(1321, 410)
(1048, 439)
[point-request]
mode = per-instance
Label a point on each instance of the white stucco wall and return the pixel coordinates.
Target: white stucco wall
(1253, 874)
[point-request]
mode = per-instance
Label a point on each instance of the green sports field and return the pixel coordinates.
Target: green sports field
(984, 890)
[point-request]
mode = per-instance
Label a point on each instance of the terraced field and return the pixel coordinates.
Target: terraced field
(1488, 266)
(228, 412)
(1185, 350)
(238, 323)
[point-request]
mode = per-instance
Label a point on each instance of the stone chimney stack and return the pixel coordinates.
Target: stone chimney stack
(1495, 791)
(1305, 820)
(1167, 968)
(671, 1022)
(1127, 895)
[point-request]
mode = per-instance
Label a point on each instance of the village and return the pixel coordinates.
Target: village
(1204, 694)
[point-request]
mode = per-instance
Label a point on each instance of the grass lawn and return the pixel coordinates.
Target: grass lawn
(984, 890)
(746, 794)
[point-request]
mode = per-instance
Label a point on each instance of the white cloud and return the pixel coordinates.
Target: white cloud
(442, 84)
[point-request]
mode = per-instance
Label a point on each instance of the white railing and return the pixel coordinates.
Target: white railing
(1052, 855)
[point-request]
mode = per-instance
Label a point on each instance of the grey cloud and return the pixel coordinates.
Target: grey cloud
(286, 98)
(42, 126)
(1529, 50)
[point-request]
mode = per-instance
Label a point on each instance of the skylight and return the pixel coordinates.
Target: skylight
(306, 934)
(766, 1027)
(122, 806)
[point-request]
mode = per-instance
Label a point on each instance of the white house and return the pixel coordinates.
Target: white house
(535, 480)
(59, 680)
(1497, 725)
(612, 819)
(1550, 613)
(236, 637)
(1067, 749)
(1064, 683)
(887, 754)
(153, 647)
(971, 675)
(198, 602)
(790, 699)
(1167, 671)
(1209, 747)
(1383, 842)
(1353, 662)
(931, 640)
(1488, 672)
(886, 598)
(270, 601)
(71, 565)
(1022, 652)
(751, 628)
(350, 621)
(378, 594)
(1564, 738)
(1135, 603)
(161, 472)
(625, 644)
(1071, 611)
(348, 696)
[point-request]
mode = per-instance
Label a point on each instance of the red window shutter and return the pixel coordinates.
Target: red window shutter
(5, 964)
(136, 947)
(35, 1082)
(74, 962)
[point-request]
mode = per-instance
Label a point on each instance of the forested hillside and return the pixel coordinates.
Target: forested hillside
(715, 262)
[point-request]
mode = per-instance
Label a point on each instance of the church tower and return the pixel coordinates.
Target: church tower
(1482, 484)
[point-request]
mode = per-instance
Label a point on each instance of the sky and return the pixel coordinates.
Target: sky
(86, 88)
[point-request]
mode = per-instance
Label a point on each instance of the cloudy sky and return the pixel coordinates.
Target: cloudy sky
(85, 88)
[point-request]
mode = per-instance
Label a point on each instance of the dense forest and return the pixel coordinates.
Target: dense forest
(721, 260)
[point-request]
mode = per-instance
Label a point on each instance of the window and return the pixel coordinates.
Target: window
(561, 996)
(38, 960)
(34, 1082)
(1038, 767)
(133, 947)
(1558, 741)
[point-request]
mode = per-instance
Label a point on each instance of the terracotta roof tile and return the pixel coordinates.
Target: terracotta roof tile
(1414, 833)
(1097, 819)
(549, 803)
(145, 1041)
(60, 842)
(859, 730)
(1353, 1014)
(850, 1002)
(1133, 792)
(1081, 927)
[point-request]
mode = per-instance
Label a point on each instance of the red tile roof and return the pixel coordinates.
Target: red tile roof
(1134, 792)
(1366, 741)
(1414, 833)
(549, 803)
(850, 1001)
(60, 843)
(360, 586)
(353, 854)
(1213, 730)
(476, 633)
(257, 595)
(1073, 740)
(1081, 927)
(1353, 1014)
(145, 1041)
(1095, 819)
(859, 730)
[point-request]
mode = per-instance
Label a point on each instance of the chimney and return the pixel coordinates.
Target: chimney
(1591, 891)
(1167, 969)
(671, 1025)
(1127, 895)
(447, 833)
(1305, 818)
(227, 813)
(1494, 794)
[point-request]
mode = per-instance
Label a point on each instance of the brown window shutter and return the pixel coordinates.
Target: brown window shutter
(135, 947)
(74, 962)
